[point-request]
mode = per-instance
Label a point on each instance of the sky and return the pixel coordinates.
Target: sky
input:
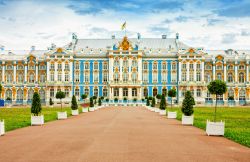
(212, 24)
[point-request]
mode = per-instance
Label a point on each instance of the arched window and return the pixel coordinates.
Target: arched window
(30, 94)
(208, 67)
(20, 78)
(125, 77)
(77, 92)
(242, 94)
(145, 66)
(116, 77)
(105, 92)
(207, 77)
(198, 92)
(125, 63)
(184, 76)
(86, 91)
(145, 92)
(66, 91)
(52, 93)
(42, 78)
(9, 77)
(19, 94)
(116, 92)
(230, 77)
(31, 78)
(241, 67)
(230, 67)
(134, 77)
(231, 93)
(134, 92)
(42, 94)
(241, 78)
(8, 94)
(164, 91)
(125, 92)
(155, 91)
(96, 92)
(77, 67)
(155, 66)
(198, 76)
(219, 77)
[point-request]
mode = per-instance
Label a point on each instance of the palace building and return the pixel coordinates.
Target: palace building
(124, 68)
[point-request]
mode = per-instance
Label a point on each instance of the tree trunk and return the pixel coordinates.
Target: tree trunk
(215, 108)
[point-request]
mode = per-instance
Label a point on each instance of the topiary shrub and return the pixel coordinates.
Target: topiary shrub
(84, 96)
(102, 98)
(150, 97)
(125, 99)
(36, 106)
(60, 95)
(107, 100)
(172, 93)
(217, 87)
(74, 105)
(91, 104)
(146, 97)
(230, 98)
(153, 102)
(135, 99)
(187, 104)
(51, 102)
(143, 100)
(163, 103)
(158, 96)
(116, 99)
(99, 102)
(94, 97)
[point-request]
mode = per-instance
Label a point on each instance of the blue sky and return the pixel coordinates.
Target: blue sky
(213, 24)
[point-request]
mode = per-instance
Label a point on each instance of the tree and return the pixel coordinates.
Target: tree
(36, 106)
(158, 96)
(217, 87)
(116, 99)
(51, 102)
(163, 103)
(153, 102)
(99, 101)
(84, 96)
(187, 104)
(172, 93)
(74, 105)
(60, 95)
(148, 103)
(91, 104)
(135, 99)
(150, 97)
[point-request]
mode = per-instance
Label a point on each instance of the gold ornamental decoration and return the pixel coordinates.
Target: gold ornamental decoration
(236, 90)
(124, 45)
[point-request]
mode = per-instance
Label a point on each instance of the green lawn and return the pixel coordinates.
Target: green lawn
(237, 121)
(20, 117)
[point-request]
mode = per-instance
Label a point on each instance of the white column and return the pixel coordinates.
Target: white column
(179, 71)
(225, 71)
(36, 72)
(236, 72)
(111, 93)
(111, 62)
(70, 70)
(202, 71)
(213, 70)
(129, 67)
(139, 93)
(139, 69)
(120, 66)
(130, 93)
(3, 71)
(48, 72)
(63, 74)
(187, 71)
(25, 72)
(56, 72)
(14, 72)
(195, 71)
(247, 72)
(120, 93)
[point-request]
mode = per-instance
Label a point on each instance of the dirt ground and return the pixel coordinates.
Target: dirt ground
(117, 134)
